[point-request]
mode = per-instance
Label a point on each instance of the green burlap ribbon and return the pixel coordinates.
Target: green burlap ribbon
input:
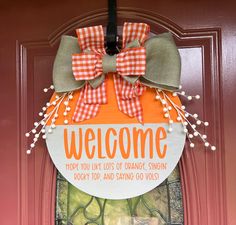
(163, 64)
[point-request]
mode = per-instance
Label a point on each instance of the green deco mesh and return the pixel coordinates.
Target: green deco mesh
(161, 206)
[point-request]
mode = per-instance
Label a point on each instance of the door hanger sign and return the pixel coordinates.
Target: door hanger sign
(114, 157)
(115, 127)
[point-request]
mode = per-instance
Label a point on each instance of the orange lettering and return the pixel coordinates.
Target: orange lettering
(72, 151)
(161, 135)
(89, 136)
(124, 154)
(100, 156)
(143, 136)
(107, 139)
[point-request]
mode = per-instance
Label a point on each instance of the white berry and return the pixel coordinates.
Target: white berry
(166, 115)
(32, 145)
(213, 148)
(163, 102)
(192, 145)
(28, 151)
(199, 122)
(207, 144)
(33, 131)
(185, 130)
(165, 109)
(170, 129)
(190, 136)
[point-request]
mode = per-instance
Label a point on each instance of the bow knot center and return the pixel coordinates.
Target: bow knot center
(108, 63)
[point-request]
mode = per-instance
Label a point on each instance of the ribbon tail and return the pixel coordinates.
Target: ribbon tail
(84, 111)
(127, 99)
(89, 102)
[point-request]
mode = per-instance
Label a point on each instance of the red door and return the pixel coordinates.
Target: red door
(205, 34)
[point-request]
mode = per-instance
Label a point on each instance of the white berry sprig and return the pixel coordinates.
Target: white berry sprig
(54, 107)
(166, 109)
(67, 107)
(189, 121)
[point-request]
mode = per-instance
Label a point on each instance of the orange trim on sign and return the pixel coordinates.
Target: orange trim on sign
(110, 114)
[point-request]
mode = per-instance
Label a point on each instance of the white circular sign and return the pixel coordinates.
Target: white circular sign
(116, 161)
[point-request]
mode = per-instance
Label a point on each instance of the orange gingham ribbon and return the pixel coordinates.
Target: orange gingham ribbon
(129, 62)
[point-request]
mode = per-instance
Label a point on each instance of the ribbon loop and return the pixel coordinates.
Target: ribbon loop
(86, 66)
(153, 63)
(131, 62)
(63, 79)
(163, 63)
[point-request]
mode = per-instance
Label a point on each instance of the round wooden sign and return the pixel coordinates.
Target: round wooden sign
(113, 156)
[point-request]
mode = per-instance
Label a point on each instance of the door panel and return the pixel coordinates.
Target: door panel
(204, 35)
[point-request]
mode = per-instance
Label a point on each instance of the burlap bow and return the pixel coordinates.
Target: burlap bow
(156, 63)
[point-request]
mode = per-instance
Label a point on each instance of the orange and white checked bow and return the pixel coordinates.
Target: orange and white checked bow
(89, 65)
